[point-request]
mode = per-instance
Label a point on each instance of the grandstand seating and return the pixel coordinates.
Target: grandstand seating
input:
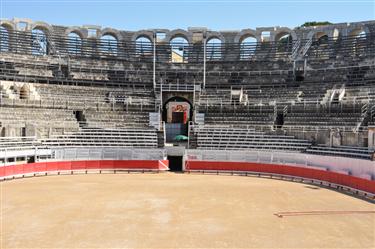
(14, 143)
(236, 138)
(324, 116)
(241, 115)
(258, 101)
(45, 121)
(90, 137)
(345, 151)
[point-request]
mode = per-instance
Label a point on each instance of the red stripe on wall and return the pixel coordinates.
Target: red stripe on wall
(323, 175)
(20, 169)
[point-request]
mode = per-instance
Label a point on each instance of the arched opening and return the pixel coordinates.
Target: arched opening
(108, 45)
(247, 47)
(3, 132)
(74, 44)
(177, 112)
(178, 106)
(24, 92)
(39, 42)
(179, 49)
(358, 33)
(284, 42)
(319, 45)
(4, 39)
(143, 46)
(361, 34)
(213, 51)
(358, 38)
(321, 38)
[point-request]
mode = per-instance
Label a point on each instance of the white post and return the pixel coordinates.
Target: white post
(154, 62)
(161, 95)
(189, 126)
(204, 60)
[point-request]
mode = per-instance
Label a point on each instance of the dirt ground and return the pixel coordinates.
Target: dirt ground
(178, 210)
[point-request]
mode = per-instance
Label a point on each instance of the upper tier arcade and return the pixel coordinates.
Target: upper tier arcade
(267, 44)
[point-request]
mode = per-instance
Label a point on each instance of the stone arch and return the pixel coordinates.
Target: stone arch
(321, 38)
(144, 37)
(24, 92)
(142, 33)
(41, 26)
(178, 33)
(358, 37)
(214, 48)
(108, 45)
(112, 32)
(176, 98)
(215, 35)
(247, 50)
(283, 41)
(74, 43)
(245, 34)
(355, 31)
(5, 37)
(319, 33)
(143, 46)
(10, 26)
(284, 31)
(179, 47)
(39, 42)
(82, 33)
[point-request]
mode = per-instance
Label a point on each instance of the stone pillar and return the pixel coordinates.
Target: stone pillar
(371, 137)
(336, 138)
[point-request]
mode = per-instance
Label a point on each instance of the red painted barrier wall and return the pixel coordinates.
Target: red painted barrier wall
(21, 169)
(328, 176)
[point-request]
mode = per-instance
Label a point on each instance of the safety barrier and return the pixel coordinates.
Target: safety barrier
(20, 170)
(304, 172)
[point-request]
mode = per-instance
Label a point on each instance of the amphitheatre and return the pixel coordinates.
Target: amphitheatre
(255, 138)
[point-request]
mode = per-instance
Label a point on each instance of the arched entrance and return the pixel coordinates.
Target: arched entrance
(177, 112)
(24, 92)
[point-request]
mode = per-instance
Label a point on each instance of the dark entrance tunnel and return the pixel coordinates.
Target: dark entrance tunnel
(175, 163)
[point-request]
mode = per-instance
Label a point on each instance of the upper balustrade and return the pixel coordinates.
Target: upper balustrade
(24, 36)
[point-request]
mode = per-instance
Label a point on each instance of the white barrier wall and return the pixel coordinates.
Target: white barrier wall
(352, 166)
(93, 153)
(88, 153)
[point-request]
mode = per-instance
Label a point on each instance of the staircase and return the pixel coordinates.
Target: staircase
(298, 51)
(193, 143)
(306, 47)
(327, 96)
(161, 139)
(295, 49)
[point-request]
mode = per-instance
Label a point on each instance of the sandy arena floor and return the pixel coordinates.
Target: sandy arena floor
(178, 210)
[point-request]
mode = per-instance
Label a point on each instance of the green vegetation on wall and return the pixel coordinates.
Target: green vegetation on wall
(309, 24)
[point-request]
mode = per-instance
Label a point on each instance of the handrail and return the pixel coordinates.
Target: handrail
(299, 128)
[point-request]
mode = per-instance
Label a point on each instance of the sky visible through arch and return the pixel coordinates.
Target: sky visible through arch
(172, 14)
